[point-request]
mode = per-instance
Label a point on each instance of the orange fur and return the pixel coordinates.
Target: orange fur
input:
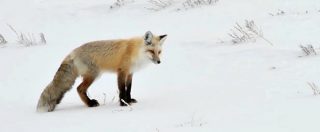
(110, 55)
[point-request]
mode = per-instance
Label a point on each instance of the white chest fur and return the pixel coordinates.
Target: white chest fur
(139, 62)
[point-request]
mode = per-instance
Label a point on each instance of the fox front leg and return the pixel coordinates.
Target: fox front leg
(128, 90)
(124, 86)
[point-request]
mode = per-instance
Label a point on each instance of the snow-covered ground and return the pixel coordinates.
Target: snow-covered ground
(204, 83)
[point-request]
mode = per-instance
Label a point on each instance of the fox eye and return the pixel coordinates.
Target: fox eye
(159, 52)
(151, 51)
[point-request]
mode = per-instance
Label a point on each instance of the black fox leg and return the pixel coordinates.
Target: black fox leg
(128, 90)
(122, 88)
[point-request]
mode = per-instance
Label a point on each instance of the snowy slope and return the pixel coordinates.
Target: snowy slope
(201, 84)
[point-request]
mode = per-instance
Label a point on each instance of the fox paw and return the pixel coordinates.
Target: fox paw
(132, 100)
(122, 103)
(93, 103)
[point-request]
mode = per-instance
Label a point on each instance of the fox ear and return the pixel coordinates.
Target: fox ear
(163, 38)
(148, 38)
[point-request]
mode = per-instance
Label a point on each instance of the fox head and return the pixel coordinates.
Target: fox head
(153, 46)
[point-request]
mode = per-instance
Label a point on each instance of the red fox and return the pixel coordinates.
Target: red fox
(122, 56)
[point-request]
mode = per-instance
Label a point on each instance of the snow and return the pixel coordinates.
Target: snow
(201, 83)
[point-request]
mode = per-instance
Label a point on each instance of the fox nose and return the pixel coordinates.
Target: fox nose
(158, 62)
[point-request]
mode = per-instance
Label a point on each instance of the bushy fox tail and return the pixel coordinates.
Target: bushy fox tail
(61, 83)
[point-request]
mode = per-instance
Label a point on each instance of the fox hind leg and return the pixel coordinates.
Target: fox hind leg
(82, 91)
